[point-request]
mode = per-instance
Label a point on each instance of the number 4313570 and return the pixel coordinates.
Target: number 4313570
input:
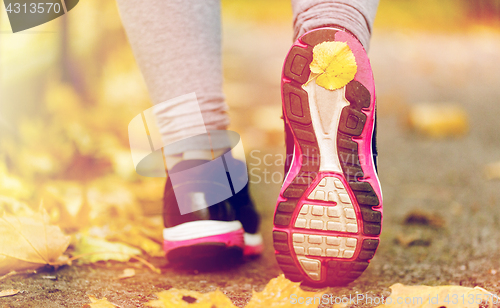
(33, 8)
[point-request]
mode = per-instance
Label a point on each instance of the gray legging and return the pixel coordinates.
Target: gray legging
(177, 44)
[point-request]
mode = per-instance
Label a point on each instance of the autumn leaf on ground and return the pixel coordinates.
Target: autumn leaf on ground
(14, 207)
(91, 247)
(333, 65)
(98, 303)
(127, 273)
(12, 186)
(439, 120)
(492, 171)
(281, 292)
(192, 299)
(132, 235)
(11, 292)
(29, 242)
(435, 297)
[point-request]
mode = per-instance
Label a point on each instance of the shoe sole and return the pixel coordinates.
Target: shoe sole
(328, 216)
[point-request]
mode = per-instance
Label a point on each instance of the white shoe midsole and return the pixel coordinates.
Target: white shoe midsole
(325, 107)
(252, 239)
(198, 229)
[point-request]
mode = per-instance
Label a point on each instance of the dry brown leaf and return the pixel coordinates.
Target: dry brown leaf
(10, 292)
(29, 242)
(98, 303)
(435, 297)
(421, 217)
(412, 239)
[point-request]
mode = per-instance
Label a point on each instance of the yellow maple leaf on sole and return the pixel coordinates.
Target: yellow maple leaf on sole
(333, 65)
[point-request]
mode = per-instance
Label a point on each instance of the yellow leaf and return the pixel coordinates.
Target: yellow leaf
(192, 299)
(492, 171)
(11, 292)
(281, 292)
(133, 236)
(14, 207)
(98, 303)
(12, 186)
(29, 242)
(434, 297)
(439, 120)
(98, 249)
(127, 273)
(66, 203)
(333, 65)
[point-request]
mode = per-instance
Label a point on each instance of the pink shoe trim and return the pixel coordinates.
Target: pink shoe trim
(231, 239)
(253, 250)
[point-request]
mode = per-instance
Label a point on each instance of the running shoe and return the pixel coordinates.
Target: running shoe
(225, 229)
(328, 216)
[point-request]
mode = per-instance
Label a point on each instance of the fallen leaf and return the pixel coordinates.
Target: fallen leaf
(14, 207)
(439, 120)
(133, 236)
(11, 292)
(127, 273)
(12, 186)
(333, 65)
(281, 292)
(192, 299)
(492, 171)
(67, 204)
(98, 303)
(413, 239)
(436, 297)
(29, 242)
(420, 217)
(95, 249)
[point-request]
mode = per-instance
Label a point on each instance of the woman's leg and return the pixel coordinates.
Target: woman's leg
(177, 45)
(356, 16)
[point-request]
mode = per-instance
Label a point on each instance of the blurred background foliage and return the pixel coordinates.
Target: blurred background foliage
(69, 88)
